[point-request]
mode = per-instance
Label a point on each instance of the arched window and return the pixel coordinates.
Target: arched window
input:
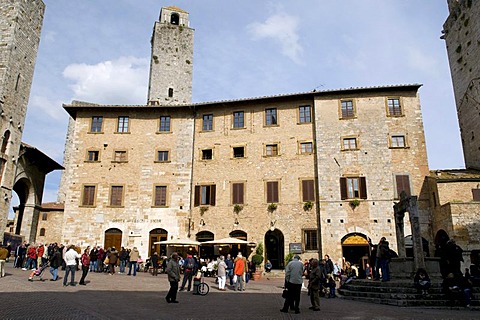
(170, 92)
(42, 232)
(44, 216)
(5, 139)
(175, 19)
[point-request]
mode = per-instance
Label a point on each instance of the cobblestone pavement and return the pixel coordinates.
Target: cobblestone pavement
(143, 297)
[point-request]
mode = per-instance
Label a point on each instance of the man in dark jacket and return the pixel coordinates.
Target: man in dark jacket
(188, 271)
(328, 266)
(55, 262)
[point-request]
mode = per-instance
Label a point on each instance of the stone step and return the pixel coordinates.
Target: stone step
(393, 295)
(411, 302)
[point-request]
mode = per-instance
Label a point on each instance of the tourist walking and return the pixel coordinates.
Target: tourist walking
(238, 272)
(154, 260)
(221, 273)
(70, 258)
(188, 271)
(85, 265)
(173, 272)
(55, 263)
(294, 281)
(314, 284)
(134, 256)
(229, 263)
(383, 254)
(3, 259)
(123, 259)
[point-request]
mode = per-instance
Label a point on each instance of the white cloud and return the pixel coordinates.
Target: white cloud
(121, 81)
(44, 105)
(283, 29)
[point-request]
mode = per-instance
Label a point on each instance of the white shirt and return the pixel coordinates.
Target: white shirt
(70, 257)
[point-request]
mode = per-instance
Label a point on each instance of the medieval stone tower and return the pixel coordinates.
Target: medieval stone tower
(20, 28)
(172, 59)
(462, 36)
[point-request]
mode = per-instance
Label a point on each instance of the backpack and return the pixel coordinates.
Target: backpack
(189, 264)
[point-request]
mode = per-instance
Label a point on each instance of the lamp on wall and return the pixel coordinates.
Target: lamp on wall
(236, 223)
(202, 223)
(272, 225)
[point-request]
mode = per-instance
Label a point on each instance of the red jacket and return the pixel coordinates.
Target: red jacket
(40, 251)
(32, 252)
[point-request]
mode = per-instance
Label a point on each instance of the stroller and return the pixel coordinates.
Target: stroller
(37, 274)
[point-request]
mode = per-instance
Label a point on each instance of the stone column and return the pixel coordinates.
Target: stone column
(399, 215)
(418, 255)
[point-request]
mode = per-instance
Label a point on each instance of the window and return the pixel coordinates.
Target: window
(347, 108)
(44, 216)
(42, 232)
(92, 155)
(272, 191)
(271, 117)
(394, 107)
(310, 239)
(305, 114)
(162, 156)
(204, 195)
(160, 196)
(207, 154)
(238, 193)
(120, 156)
(5, 141)
(239, 152)
(402, 184)
(122, 124)
(238, 119)
(271, 150)
(170, 92)
(116, 196)
(308, 190)
(96, 124)
(350, 144)
(88, 196)
(353, 188)
(476, 194)
(397, 142)
(207, 122)
(306, 148)
(165, 124)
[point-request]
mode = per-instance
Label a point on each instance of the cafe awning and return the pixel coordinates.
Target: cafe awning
(179, 242)
(228, 241)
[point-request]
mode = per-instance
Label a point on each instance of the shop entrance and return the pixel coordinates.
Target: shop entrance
(356, 249)
(275, 248)
(156, 235)
(205, 251)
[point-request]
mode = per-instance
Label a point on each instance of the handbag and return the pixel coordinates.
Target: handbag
(106, 261)
(235, 279)
(285, 294)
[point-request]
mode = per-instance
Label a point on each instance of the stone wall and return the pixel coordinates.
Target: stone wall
(462, 34)
(20, 27)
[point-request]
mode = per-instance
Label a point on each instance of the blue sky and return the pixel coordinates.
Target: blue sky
(98, 51)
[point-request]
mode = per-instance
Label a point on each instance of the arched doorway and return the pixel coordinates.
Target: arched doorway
(156, 235)
(113, 238)
(205, 251)
(275, 248)
(235, 249)
(356, 249)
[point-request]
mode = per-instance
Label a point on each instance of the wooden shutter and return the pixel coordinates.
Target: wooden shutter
(343, 188)
(196, 201)
(363, 188)
(403, 184)
(88, 195)
(308, 188)
(476, 194)
(160, 196)
(237, 193)
(212, 194)
(272, 191)
(116, 196)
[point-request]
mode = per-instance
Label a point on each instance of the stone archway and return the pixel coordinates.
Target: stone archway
(275, 248)
(156, 235)
(202, 236)
(356, 249)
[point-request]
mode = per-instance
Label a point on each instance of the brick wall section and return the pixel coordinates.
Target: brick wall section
(20, 27)
(462, 34)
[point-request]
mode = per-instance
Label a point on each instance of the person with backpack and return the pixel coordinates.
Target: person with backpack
(189, 269)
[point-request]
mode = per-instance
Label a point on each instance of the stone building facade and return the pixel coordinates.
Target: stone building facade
(461, 32)
(315, 172)
(20, 27)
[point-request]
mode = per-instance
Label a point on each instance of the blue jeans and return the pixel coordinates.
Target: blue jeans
(54, 272)
(134, 264)
(31, 262)
(92, 266)
(69, 269)
(123, 264)
(385, 269)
